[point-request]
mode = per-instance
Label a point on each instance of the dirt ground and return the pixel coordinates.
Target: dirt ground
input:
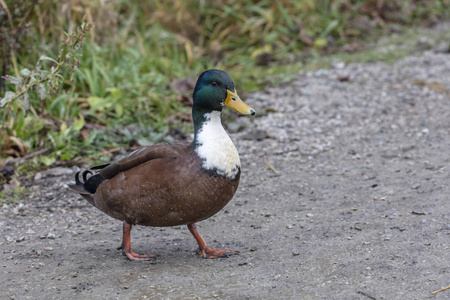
(344, 195)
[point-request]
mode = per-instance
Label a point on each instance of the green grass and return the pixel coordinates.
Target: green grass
(123, 89)
(18, 194)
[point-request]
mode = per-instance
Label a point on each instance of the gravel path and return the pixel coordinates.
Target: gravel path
(344, 195)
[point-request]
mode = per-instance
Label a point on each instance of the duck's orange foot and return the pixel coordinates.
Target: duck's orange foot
(126, 245)
(216, 253)
(136, 256)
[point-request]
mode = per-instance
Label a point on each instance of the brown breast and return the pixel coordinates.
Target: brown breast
(166, 191)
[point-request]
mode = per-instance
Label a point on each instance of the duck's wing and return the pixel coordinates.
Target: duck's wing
(140, 156)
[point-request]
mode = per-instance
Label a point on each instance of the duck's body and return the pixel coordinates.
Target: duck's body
(174, 184)
(170, 187)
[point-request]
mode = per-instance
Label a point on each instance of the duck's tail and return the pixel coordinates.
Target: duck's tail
(86, 184)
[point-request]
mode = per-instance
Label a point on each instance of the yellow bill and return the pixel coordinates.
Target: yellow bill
(235, 103)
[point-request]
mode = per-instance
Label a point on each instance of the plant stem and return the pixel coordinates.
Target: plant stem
(441, 290)
(29, 86)
(61, 60)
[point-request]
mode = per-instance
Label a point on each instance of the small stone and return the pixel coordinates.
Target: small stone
(289, 226)
(38, 176)
(257, 135)
(55, 172)
(310, 215)
(393, 216)
(51, 236)
(339, 65)
(233, 126)
(424, 43)
(321, 72)
(343, 76)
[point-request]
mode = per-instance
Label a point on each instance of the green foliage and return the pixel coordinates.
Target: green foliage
(119, 87)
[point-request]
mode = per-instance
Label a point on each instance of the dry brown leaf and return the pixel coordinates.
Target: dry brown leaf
(13, 146)
(85, 133)
(434, 85)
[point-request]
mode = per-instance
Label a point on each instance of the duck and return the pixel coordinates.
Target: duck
(173, 184)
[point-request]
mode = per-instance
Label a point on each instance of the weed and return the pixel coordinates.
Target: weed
(122, 92)
(19, 193)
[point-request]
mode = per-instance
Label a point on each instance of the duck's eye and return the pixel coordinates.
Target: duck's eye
(214, 83)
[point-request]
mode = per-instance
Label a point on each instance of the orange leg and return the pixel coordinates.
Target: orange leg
(126, 245)
(204, 250)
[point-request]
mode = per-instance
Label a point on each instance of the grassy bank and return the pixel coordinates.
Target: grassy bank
(127, 84)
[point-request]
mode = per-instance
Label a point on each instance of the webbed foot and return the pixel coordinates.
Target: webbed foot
(126, 245)
(216, 253)
(204, 250)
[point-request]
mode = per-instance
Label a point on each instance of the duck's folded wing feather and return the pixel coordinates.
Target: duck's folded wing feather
(141, 156)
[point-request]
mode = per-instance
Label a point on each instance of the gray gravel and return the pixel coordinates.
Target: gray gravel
(344, 195)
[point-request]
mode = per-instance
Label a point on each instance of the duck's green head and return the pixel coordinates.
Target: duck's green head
(214, 89)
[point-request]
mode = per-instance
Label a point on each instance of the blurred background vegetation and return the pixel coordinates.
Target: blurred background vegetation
(88, 91)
